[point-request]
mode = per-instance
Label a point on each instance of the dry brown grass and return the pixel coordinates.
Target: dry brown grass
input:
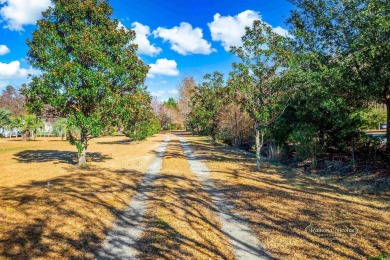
(70, 220)
(181, 221)
(279, 204)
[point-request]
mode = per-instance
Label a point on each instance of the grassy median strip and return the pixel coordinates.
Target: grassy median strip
(181, 221)
(280, 204)
(68, 217)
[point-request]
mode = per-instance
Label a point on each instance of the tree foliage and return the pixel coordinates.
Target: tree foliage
(310, 92)
(235, 126)
(258, 82)
(12, 100)
(140, 121)
(168, 114)
(372, 117)
(89, 68)
(206, 103)
(171, 103)
(186, 91)
(4, 118)
(29, 124)
(348, 42)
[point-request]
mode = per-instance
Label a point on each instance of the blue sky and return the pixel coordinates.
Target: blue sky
(176, 38)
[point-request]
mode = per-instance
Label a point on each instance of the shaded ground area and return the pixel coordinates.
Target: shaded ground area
(181, 223)
(65, 221)
(280, 204)
(121, 141)
(29, 156)
(70, 220)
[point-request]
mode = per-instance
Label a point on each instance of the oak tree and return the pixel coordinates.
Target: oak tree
(206, 104)
(350, 39)
(88, 65)
(186, 91)
(257, 80)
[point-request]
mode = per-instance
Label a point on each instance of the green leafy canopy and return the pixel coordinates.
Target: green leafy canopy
(87, 65)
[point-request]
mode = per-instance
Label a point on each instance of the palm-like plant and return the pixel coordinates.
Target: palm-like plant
(15, 123)
(60, 127)
(4, 117)
(30, 124)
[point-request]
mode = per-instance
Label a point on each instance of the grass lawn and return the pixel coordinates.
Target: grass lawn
(70, 220)
(280, 204)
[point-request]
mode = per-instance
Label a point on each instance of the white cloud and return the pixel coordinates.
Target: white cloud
(279, 30)
(16, 13)
(184, 39)
(120, 26)
(163, 67)
(158, 93)
(4, 50)
(144, 46)
(173, 92)
(141, 39)
(229, 29)
(13, 71)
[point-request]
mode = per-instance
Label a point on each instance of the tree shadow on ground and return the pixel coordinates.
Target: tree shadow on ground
(71, 218)
(124, 142)
(68, 220)
(24, 141)
(185, 200)
(207, 152)
(283, 203)
(160, 239)
(164, 241)
(29, 156)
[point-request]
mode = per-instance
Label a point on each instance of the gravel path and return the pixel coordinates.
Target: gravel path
(243, 241)
(121, 241)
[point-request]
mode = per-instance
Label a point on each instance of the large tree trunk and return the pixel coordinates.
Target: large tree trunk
(388, 126)
(271, 151)
(213, 139)
(83, 154)
(259, 145)
(83, 157)
(26, 135)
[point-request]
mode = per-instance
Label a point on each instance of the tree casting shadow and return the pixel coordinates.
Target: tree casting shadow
(71, 198)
